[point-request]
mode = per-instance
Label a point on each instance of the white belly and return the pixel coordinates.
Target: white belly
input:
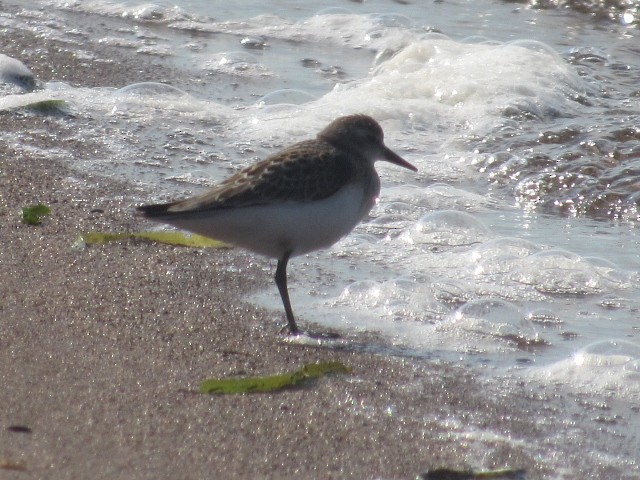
(272, 230)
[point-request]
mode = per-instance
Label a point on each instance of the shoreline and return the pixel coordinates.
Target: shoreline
(101, 348)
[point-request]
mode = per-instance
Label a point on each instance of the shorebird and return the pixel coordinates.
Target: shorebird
(303, 198)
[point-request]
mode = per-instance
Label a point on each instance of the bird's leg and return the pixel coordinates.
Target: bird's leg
(281, 282)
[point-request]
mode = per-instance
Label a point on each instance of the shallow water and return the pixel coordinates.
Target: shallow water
(514, 250)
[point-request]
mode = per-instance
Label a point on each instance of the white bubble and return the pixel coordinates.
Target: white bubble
(497, 318)
(609, 366)
(536, 46)
(447, 227)
(286, 96)
(364, 292)
(151, 89)
(393, 20)
(558, 272)
(334, 11)
(500, 255)
(608, 353)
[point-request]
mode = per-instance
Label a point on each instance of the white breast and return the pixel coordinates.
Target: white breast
(272, 230)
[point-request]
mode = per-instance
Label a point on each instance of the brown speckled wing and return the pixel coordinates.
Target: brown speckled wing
(306, 171)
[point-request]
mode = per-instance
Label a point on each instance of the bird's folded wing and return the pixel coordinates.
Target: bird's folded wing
(306, 171)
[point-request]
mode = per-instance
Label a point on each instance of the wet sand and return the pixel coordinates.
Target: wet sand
(102, 349)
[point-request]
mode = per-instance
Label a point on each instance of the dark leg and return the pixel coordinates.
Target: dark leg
(281, 282)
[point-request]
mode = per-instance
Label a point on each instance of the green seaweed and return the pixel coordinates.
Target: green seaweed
(169, 238)
(271, 383)
(18, 104)
(47, 107)
(10, 465)
(32, 215)
(449, 474)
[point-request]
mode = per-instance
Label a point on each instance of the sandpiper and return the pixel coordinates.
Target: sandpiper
(301, 199)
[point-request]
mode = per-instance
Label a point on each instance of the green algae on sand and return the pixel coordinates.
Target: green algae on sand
(272, 383)
(32, 215)
(449, 474)
(169, 238)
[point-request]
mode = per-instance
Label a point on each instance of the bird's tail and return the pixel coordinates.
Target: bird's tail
(155, 210)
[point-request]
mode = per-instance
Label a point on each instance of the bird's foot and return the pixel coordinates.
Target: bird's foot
(302, 335)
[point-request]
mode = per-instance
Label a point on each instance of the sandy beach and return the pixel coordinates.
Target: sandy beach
(102, 348)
